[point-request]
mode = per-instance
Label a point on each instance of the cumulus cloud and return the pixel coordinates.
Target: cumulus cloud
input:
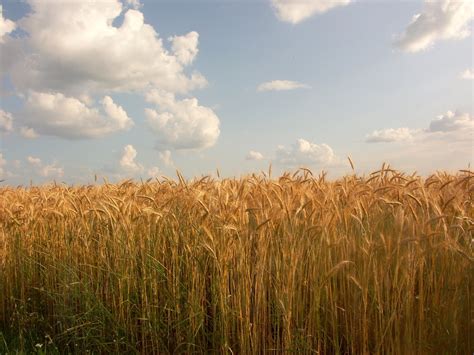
(454, 126)
(452, 121)
(74, 48)
(128, 165)
(6, 25)
(134, 3)
(51, 170)
(28, 132)
(467, 74)
(280, 85)
(127, 161)
(165, 157)
(34, 161)
(67, 117)
(390, 135)
(439, 20)
(154, 172)
(181, 124)
(48, 170)
(306, 153)
(6, 126)
(185, 47)
(3, 162)
(72, 54)
(253, 155)
(296, 11)
(6, 122)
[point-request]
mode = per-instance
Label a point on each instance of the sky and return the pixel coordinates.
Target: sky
(140, 89)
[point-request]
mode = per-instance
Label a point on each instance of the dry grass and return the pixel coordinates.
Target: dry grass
(374, 264)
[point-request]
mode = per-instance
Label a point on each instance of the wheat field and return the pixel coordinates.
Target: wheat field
(380, 263)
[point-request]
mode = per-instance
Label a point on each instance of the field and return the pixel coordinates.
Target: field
(381, 263)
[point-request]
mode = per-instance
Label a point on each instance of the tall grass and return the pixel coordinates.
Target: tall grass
(366, 264)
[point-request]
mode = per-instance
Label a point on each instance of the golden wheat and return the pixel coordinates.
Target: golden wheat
(376, 264)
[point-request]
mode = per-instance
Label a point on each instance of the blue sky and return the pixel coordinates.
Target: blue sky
(139, 89)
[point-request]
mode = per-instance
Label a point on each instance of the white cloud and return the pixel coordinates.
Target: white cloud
(51, 170)
(280, 85)
(73, 47)
(127, 161)
(452, 126)
(128, 166)
(6, 26)
(390, 135)
(185, 47)
(467, 74)
(154, 172)
(6, 122)
(48, 170)
(34, 161)
(306, 153)
(72, 54)
(165, 157)
(181, 124)
(67, 117)
(134, 3)
(296, 11)
(28, 132)
(3, 162)
(453, 121)
(131, 167)
(253, 155)
(439, 20)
